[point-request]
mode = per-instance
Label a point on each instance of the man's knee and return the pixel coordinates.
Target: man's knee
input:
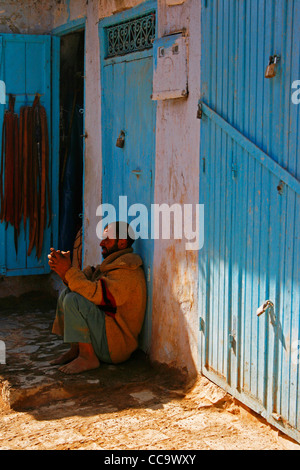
(70, 301)
(63, 294)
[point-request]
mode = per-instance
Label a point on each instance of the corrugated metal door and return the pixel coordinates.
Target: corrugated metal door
(128, 171)
(250, 185)
(25, 67)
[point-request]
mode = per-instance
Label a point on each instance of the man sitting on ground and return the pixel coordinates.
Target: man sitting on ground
(101, 312)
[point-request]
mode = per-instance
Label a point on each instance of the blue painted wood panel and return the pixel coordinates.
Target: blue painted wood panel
(250, 185)
(25, 67)
(126, 83)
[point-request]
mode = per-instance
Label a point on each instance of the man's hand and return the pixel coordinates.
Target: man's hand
(59, 262)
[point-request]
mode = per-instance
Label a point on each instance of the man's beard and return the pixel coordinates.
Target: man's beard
(109, 251)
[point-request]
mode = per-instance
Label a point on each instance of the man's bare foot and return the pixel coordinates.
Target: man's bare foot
(67, 356)
(86, 360)
(80, 364)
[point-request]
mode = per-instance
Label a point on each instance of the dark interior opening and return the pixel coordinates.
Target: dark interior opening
(71, 140)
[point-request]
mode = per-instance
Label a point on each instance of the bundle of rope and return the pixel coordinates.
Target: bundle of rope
(26, 173)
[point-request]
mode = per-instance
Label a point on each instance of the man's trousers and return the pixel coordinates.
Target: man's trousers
(80, 321)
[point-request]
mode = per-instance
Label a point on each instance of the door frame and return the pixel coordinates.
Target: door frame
(58, 32)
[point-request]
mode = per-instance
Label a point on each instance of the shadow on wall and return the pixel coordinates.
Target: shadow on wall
(15, 286)
(174, 313)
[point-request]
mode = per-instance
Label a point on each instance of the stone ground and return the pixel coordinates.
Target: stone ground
(133, 406)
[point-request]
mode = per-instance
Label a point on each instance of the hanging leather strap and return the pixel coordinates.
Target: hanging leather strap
(10, 198)
(23, 161)
(16, 192)
(8, 146)
(9, 168)
(40, 186)
(24, 174)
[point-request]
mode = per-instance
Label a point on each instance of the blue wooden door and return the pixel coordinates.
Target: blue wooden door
(128, 171)
(25, 68)
(250, 185)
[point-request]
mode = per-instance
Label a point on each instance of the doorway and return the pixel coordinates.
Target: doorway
(129, 111)
(71, 144)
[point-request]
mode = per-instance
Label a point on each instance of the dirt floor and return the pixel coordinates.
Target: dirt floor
(133, 406)
(140, 416)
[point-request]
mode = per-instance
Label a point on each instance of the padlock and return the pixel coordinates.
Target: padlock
(272, 67)
(270, 70)
(121, 140)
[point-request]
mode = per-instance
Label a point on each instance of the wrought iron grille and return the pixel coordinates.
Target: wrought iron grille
(130, 36)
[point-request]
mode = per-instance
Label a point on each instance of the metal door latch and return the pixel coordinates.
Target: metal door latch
(232, 339)
(199, 111)
(267, 304)
(121, 140)
(137, 172)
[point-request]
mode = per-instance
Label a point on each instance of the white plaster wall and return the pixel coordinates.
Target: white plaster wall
(38, 17)
(110, 7)
(93, 153)
(68, 10)
(26, 16)
(175, 310)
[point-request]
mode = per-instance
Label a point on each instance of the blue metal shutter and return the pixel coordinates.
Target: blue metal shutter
(250, 185)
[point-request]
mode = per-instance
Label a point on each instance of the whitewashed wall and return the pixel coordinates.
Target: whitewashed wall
(175, 311)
